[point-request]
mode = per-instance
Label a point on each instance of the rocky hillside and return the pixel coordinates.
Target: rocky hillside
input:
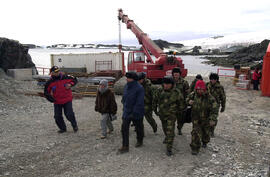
(14, 55)
(164, 44)
(248, 56)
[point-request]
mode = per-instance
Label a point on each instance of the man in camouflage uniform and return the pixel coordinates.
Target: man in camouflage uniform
(217, 91)
(183, 87)
(192, 85)
(148, 97)
(167, 102)
(203, 113)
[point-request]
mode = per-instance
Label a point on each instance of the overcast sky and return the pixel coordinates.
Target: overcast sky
(91, 21)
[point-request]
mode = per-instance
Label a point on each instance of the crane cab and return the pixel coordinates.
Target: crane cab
(136, 60)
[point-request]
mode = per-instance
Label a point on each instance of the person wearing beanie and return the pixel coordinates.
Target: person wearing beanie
(182, 85)
(58, 91)
(203, 112)
(106, 105)
(148, 98)
(167, 102)
(192, 85)
(133, 111)
(217, 91)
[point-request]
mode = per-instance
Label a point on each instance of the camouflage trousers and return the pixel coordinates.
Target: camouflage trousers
(180, 121)
(212, 128)
(149, 117)
(168, 126)
(200, 133)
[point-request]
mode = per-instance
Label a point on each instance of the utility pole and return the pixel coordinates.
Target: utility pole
(120, 43)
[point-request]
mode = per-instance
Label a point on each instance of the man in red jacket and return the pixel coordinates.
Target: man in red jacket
(58, 91)
(256, 76)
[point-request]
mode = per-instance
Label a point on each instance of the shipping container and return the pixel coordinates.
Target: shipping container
(92, 62)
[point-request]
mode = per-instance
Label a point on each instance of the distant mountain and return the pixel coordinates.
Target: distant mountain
(95, 46)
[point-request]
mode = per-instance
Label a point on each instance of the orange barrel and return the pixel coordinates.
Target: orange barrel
(265, 87)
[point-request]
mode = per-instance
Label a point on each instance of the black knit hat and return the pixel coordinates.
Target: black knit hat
(176, 70)
(54, 69)
(141, 75)
(168, 80)
(132, 75)
(199, 77)
(213, 76)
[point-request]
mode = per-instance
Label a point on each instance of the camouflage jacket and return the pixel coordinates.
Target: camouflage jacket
(192, 85)
(217, 91)
(148, 95)
(168, 103)
(183, 86)
(204, 107)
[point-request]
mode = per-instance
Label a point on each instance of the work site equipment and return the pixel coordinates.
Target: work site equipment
(265, 87)
(141, 61)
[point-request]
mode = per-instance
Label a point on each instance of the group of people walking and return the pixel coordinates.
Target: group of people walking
(174, 102)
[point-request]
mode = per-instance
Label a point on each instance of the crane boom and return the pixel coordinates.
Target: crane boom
(144, 40)
(163, 64)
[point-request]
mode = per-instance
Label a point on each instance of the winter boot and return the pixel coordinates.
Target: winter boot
(180, 132)
(194, 152)
(61, 131)
(139, 144)
(123, 149)
(204, 145)
(169, 152)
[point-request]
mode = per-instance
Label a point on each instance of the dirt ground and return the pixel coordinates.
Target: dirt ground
(31, 146)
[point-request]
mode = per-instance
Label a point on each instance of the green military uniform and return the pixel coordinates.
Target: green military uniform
(148, 97)
(166, 105)
(217, 91)
(183, 87)
(192, 85)
(204, 109)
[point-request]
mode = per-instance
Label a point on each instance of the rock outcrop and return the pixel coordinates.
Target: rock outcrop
(252, 53)
(14, 55)
(248, 56)
(164, 44)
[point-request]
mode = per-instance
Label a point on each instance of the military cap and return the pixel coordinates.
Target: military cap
(141, 75)
(132, 75)
(54, 69)
(168, 80)
(199, 77)
(176, 70)
(213, 76)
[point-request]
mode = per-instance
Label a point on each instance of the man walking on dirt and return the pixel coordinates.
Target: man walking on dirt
(148, 97)
(183, 87)
(105, 104)
(58, 91)
(167, 102)
(133, 110)
(217, 91)
(203, 114)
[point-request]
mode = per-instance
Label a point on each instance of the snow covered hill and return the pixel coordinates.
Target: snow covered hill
(228, 41)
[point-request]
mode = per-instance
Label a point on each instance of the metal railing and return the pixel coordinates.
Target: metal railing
(226, 72)
(43, 71)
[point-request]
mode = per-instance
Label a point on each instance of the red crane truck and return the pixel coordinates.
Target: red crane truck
(141, 61)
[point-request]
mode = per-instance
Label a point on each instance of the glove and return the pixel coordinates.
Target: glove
(212, 123)
(222, 109)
